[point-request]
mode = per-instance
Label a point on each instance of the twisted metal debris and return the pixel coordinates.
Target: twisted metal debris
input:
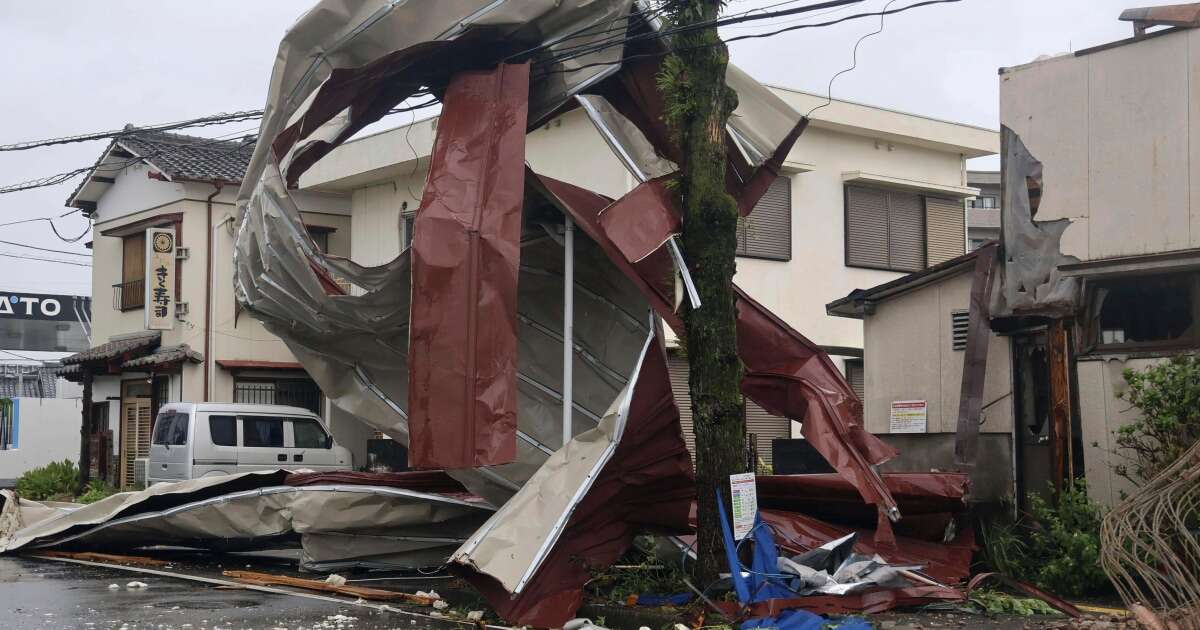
(1150, 548)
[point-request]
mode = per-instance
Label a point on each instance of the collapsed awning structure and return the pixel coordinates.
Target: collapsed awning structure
(453, 347)
(335, 525)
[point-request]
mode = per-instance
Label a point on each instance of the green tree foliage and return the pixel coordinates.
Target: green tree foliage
(1168, 394)
(1056, 545)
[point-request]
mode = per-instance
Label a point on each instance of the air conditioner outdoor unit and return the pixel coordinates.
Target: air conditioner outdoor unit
(141, 470)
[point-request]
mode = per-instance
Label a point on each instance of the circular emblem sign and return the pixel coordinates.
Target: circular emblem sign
(162, 243)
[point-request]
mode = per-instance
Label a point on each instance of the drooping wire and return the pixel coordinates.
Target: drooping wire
(853, 61)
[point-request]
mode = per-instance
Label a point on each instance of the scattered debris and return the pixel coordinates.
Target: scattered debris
(372, 594)
(333, 579)
(135, 585)
(106, 557)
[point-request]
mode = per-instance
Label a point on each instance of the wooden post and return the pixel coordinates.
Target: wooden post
(85, 434)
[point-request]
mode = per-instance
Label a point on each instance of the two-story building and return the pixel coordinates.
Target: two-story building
(1098, 271)
(868, 194)
(211, 351)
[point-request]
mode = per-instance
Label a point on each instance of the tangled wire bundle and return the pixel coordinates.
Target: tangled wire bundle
(1150, 544)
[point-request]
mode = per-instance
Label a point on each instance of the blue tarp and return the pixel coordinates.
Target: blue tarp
(763, 582)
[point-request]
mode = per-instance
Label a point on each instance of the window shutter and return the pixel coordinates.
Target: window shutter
(856, 378)
(767, 232)
(959, 324)
(866, 227)
(945, 221)
(906, 231)
(678, 367)
(766, 428)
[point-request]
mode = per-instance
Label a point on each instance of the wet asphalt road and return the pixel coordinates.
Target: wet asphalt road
(48, 595)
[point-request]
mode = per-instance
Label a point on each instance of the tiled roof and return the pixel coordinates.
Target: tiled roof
(178, 156)
(191, 157)
(113, 349)
(27, 381)
(164, 355)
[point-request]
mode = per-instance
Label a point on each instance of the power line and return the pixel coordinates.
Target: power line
(63, 262)
(46, 249)
(853, 61)
(204, 121)
(59, 178)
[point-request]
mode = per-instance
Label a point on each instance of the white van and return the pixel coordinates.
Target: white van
(193, 440)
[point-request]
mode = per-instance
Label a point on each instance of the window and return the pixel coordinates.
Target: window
(8, 425)
(296, 392)
(409, 218)
(885, 229)
(321, 238)
(856, 377)
(130, 293)
(767, 232)
(1147, 312)
(308, 434)
(959, 326)
(171, 429)
(223, 430)
(984, 202)
(265, 431)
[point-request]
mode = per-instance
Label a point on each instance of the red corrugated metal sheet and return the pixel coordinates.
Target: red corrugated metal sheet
(462, 353)
(786, 374)
(647, 484)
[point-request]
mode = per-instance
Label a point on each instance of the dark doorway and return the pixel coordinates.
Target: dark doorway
(1033, 437)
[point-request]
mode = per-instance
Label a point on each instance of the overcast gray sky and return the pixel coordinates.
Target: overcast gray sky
(76, 67)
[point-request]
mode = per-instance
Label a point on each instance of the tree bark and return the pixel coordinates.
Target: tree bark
(699, 104)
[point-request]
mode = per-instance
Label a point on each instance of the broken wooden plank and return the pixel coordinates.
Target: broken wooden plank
(104, 557)
(377, 594)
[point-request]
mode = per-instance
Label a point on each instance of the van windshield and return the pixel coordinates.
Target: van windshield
(170, 429)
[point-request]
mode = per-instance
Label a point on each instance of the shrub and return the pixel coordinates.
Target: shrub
(96, 490)
(55, 480)
(1168, 394)
(1056, 545)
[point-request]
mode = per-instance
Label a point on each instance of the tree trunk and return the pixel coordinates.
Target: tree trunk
(699, 104)
(85, 435)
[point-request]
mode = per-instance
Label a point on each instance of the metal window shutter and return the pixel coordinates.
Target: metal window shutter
(855, 376)
(866, 227)
(767, 232)
(945, 227)
(906, 231)
(678, 367)
(767, 428)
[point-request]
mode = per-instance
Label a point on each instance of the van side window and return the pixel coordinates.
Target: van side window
(223, 430)
(308, 434)
(262, 431)
(171, 429)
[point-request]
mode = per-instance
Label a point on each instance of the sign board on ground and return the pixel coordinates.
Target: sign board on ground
(744, 496)
(160, 279)
(909, 416)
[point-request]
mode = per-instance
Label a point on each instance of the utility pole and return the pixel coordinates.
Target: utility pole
(698, 104)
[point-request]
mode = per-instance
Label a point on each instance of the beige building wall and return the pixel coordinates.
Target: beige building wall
(1118, 132)
(910, 356)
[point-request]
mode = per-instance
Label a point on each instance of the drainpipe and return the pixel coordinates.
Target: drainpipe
(208, 280)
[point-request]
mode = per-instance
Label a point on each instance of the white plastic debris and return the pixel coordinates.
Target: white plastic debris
(440, 605)
(430, 594)
(335, 580)
(475, 615)
(113, 587)
(136, 585)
